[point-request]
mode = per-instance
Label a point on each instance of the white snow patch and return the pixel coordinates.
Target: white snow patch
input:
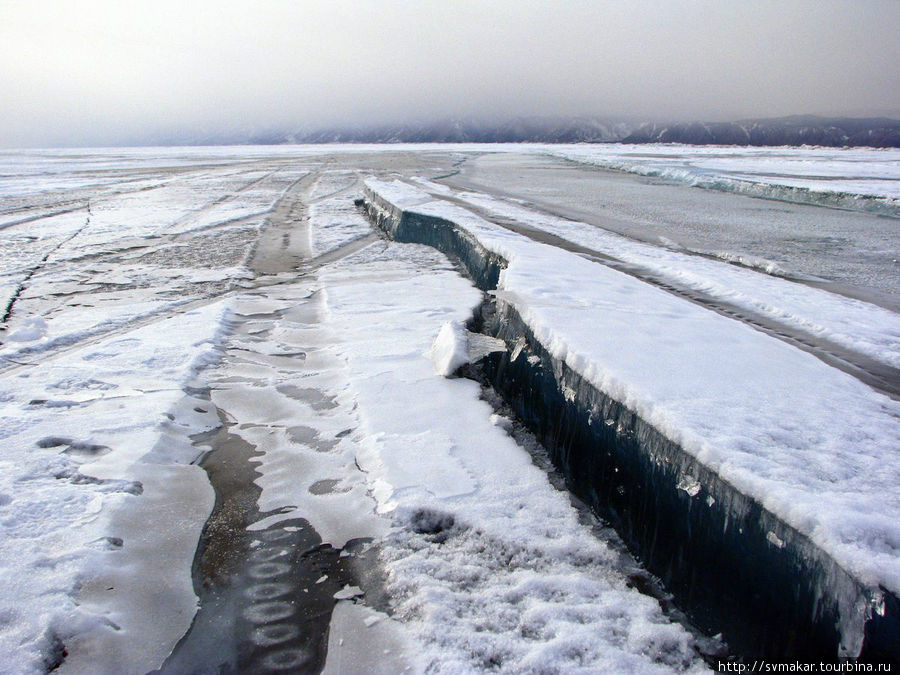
(501, 421)
(335, 221)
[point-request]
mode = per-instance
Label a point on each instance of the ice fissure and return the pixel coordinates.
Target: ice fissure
(733, 565)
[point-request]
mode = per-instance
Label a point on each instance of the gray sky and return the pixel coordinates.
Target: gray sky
(95, 72)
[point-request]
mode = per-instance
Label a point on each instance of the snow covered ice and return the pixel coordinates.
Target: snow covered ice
(155, 295)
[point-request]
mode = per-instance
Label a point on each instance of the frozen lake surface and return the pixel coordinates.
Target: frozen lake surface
(815, 174)
(851, 248)
(153, 298)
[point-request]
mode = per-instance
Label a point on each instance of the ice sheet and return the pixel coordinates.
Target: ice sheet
(361, 640)
(813, 444)
(282, 388)
(487, 563)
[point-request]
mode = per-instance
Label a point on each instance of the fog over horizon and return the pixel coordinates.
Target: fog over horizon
(108, 73)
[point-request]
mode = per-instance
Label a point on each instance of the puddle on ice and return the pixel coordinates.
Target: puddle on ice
(309, 437)
(326, 487)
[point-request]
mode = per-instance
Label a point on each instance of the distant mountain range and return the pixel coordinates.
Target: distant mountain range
(795, 130)
(877, 132)
(518, 130)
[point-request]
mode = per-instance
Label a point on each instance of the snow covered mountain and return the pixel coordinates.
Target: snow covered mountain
(794, 130)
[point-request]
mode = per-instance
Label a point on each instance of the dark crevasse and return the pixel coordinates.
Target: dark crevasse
(734, 567)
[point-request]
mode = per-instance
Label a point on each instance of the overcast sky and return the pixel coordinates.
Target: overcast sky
(108, 72)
